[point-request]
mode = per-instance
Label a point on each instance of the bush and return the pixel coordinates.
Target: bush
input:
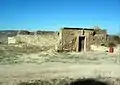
(112, 44)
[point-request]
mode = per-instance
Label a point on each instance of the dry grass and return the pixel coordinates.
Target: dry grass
(38, 55)
(45, 57)
(72, 81)
(10, 54)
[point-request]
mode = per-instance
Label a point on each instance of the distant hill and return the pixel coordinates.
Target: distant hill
(8, 32)
(11, 33)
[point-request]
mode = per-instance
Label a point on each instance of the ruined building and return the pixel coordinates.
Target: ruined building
(80, 39)
(69, 39)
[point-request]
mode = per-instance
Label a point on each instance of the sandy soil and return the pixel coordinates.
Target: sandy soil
(50, 70)
(51, 65)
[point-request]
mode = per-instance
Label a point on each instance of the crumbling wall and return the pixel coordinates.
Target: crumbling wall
(68, 39)
(100, 37)
(89, 38)
(99, 48)
(41, 40)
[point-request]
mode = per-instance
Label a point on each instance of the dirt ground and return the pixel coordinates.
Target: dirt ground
(20, 67)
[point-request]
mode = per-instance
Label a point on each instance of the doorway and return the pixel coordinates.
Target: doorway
(81, 43)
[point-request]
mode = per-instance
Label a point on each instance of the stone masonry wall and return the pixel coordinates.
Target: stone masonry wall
(69, 38)
(38, 40)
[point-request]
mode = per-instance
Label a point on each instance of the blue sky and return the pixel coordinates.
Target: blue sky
(54, 14)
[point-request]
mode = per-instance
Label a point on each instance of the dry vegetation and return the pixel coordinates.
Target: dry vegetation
(11, 54)
(37, 55)
(48, 67)
(71, 81)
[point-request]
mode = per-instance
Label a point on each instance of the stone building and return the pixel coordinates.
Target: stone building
(80, 39)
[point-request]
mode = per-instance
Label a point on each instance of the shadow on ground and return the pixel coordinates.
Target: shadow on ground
(65, 82)
(87, 82)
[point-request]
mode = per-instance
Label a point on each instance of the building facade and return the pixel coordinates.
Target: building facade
(80, 39)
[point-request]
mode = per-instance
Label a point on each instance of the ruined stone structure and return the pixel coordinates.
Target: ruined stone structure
(37, 38)
(80, 39)
(46, 39)
(67, 39)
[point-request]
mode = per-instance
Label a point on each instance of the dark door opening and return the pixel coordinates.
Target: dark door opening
(81, 43)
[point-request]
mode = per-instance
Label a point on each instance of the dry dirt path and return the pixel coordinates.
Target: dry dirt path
(24, 72)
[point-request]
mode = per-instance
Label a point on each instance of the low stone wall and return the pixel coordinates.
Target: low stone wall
(104, 49)
(37, 40)
(99, 48)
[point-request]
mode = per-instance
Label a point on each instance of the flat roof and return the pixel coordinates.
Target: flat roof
(69, 28)
(88, 29)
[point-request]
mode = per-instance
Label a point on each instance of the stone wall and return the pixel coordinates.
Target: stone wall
(89, 38)
(49, 40)
(69, 38)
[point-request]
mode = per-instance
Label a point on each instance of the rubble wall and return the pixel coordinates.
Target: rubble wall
(68, 39)
(48, 40)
